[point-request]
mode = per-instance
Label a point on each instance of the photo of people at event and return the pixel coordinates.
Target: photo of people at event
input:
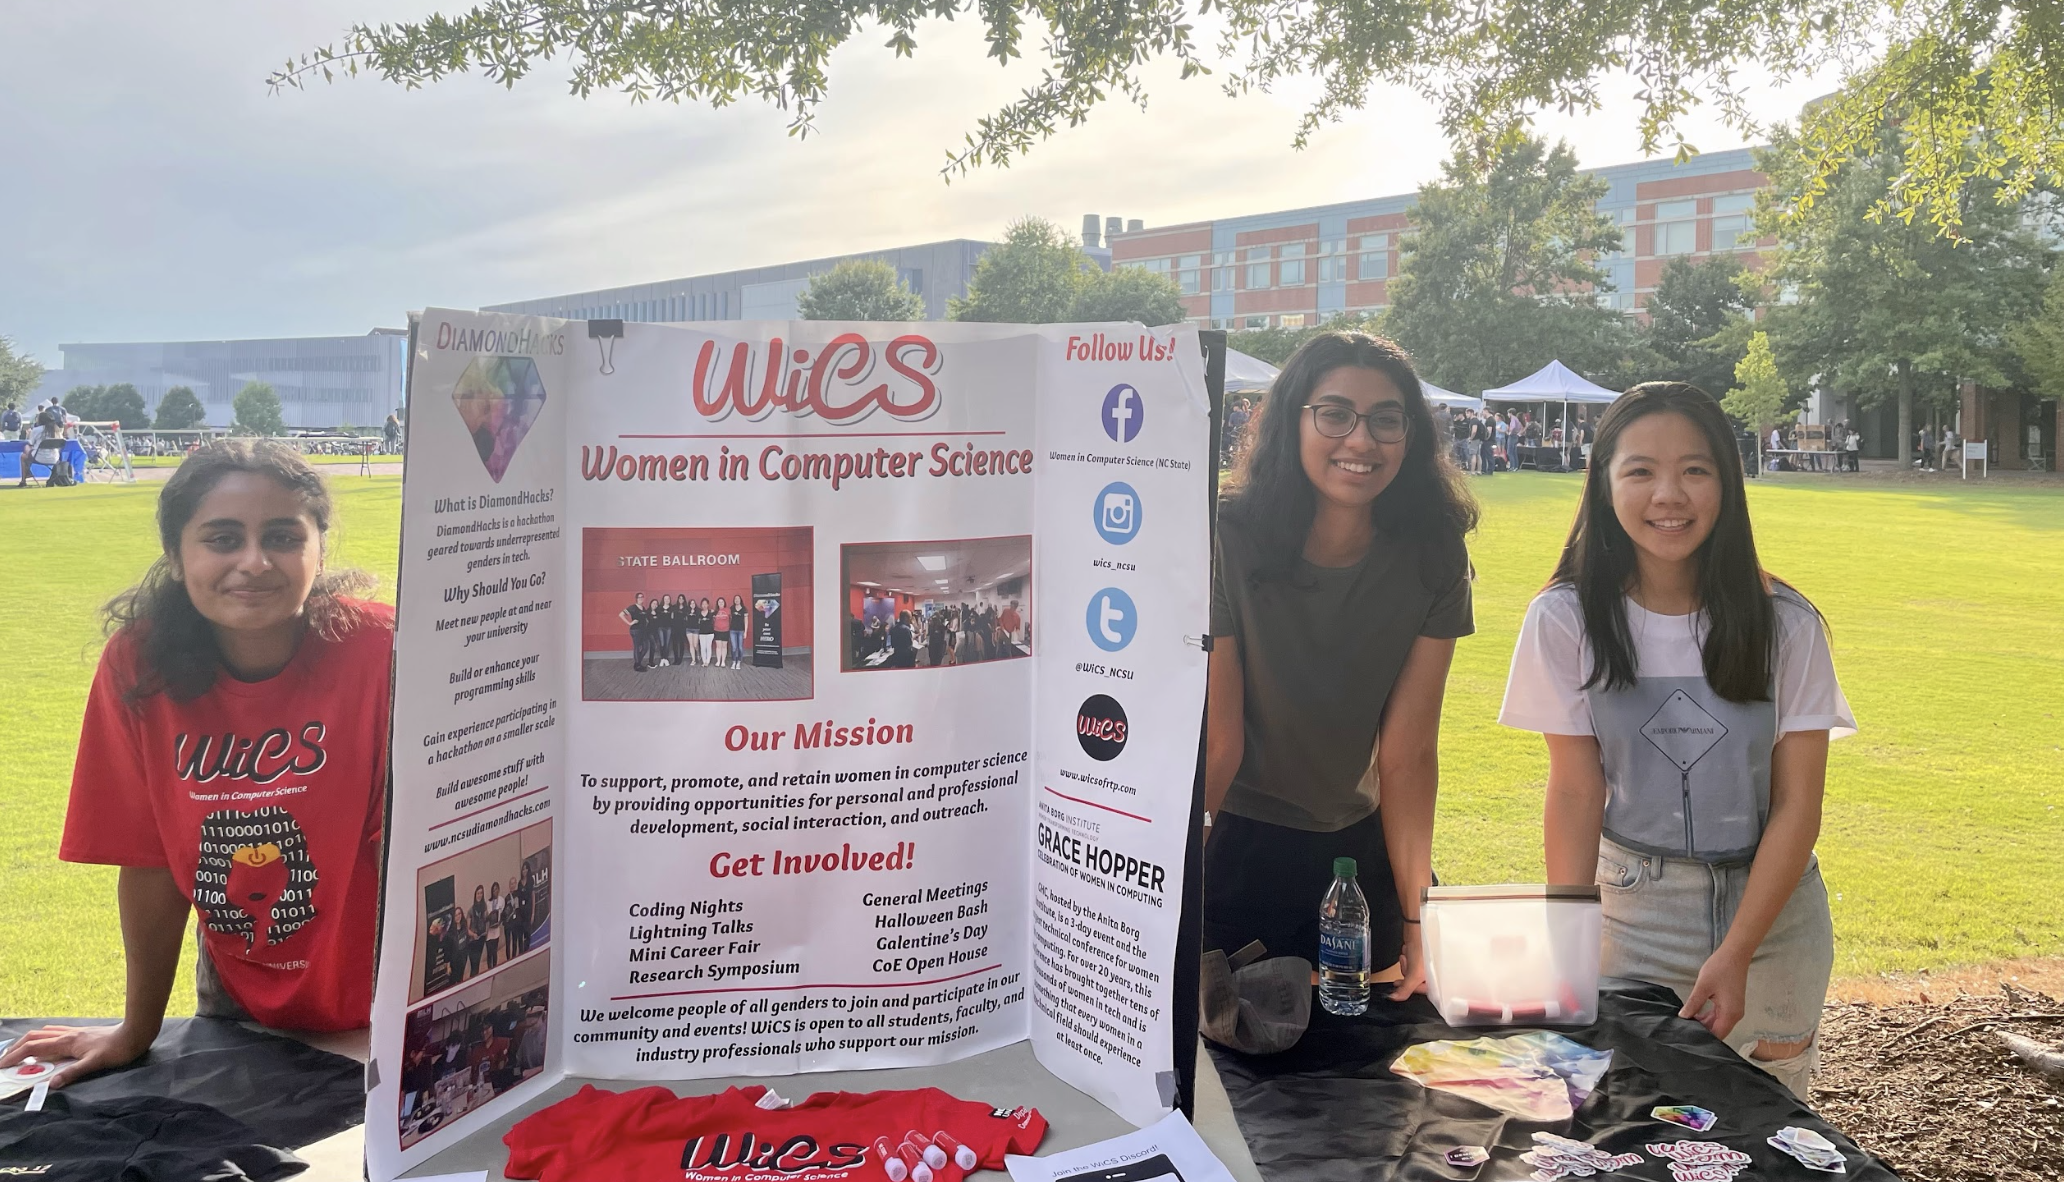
(695, 614)
(930, 605)
(481, 908)
(461, 1051)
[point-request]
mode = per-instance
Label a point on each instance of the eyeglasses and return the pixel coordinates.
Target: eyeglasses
(1387, 424)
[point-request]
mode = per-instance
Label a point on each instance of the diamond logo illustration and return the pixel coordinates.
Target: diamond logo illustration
(498, 399)
(1682, 730)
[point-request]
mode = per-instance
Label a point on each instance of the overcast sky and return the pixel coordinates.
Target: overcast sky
(154, 190)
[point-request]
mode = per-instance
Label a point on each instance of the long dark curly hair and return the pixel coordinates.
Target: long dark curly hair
(1427, 503)
(175, 645)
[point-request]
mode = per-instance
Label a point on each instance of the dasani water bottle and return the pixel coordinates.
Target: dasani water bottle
(1344, 943)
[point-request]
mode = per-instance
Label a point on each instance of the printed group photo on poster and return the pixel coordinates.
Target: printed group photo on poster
(464, 1049)
(695, 615)
(482, 908)
(933, 605)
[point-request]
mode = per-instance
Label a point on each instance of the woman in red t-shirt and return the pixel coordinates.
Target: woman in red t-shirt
(233, 762)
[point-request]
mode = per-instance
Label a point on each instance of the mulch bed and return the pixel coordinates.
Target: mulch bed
(1926, 1088)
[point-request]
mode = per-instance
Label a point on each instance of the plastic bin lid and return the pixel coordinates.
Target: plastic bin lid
(1457, 894)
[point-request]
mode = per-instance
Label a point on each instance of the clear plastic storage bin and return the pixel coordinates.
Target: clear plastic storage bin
(1512, 955)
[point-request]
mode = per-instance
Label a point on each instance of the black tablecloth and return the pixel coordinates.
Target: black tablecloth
(289, 1093)
(1329, 1109)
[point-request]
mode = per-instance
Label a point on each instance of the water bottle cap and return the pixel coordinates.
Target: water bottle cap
(1343, 868)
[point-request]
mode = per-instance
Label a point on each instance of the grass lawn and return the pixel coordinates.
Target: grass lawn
(1944, 840)
(173, 461)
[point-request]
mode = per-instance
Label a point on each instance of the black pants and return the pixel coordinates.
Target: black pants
(1265, 882)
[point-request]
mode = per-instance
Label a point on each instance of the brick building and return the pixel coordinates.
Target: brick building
(1301, 266)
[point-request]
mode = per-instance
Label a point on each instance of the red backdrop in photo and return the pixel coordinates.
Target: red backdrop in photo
(607, 583)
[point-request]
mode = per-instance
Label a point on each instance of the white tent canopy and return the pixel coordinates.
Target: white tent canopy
(1438, 396)
(1553, 382)
(1247, 375)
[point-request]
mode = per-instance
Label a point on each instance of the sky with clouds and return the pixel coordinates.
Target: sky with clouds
(155, 190)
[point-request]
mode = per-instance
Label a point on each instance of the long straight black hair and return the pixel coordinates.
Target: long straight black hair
(175, 645)
(1427, 502)
(1739, 647)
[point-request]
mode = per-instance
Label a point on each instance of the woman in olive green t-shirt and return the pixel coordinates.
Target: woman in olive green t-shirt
(1340, 585)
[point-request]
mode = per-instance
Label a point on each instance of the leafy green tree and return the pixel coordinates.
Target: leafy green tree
(123, 404)
(19, 375)
(1031, 277)
(1690, 314)
(1889, 310)
(1127, 293)
(180, 410)
(85, 401)
(1487, 67)
(1759, 395)
(1275, 345)
(257, 410)
(2039, 341)
(1496, 278)
(859, 289)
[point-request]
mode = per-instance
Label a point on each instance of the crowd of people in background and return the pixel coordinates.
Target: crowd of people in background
(1485, 442)
(497, 925)
(957, 634)
(477, 1057)
(691, 633)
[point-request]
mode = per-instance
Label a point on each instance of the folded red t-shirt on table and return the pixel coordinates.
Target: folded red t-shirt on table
(652, 1135)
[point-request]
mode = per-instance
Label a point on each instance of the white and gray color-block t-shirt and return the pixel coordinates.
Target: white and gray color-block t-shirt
(1687, 772)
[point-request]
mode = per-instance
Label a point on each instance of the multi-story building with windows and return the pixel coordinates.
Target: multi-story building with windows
(321, 381)
(1301, 266)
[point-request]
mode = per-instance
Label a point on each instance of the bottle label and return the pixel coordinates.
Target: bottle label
(1344, 951)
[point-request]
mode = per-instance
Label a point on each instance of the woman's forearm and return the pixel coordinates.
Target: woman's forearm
(1410, 789)
(153, 917)
(1798, 781)
(1574, 813)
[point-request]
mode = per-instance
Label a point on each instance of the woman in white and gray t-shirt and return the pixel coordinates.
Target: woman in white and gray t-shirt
(1687, 699)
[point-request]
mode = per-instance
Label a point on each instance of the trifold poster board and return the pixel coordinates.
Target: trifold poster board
(780, 697)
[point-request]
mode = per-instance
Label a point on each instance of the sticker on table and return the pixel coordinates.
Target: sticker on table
(1690, 1116)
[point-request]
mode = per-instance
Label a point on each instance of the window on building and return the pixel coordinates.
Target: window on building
(1292, 320)
(1258, 268)
(1374, 261)
(1676, 230)
(913, 278)
(1291, 271)
(1333, 260)
(1733, 221)
(1188, 273)
(1257, 322)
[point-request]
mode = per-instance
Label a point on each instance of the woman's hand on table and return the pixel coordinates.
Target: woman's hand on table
(1721, 992)
(1413, 963)
(93, 1049)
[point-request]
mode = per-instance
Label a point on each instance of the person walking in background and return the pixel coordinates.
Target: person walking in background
(1486, 442)
(1687, 698)
(1852, 447)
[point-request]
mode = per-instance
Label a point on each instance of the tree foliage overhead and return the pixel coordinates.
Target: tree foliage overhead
(19, 374)
(1885, 309)
(1488, 66)
(257, 409)
(859, 289)
(180, 410)
(1031, 277)
(1496, 276)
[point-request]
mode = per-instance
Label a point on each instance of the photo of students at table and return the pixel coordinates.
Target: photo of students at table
(934, 605)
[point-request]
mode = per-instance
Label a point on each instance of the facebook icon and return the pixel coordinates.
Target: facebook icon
(1123, 413)
(1112, 619)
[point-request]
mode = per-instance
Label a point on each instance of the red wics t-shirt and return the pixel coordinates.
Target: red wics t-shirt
(264, 799)
(652, 1135)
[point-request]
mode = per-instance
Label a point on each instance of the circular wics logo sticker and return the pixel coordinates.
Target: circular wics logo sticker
(1100, 727)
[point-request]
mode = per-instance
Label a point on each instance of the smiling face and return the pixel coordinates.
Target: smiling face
(1665, 486)
(250, 554)
(1352, 471)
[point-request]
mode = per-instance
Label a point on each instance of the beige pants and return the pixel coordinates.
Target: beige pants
(1665, 916)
